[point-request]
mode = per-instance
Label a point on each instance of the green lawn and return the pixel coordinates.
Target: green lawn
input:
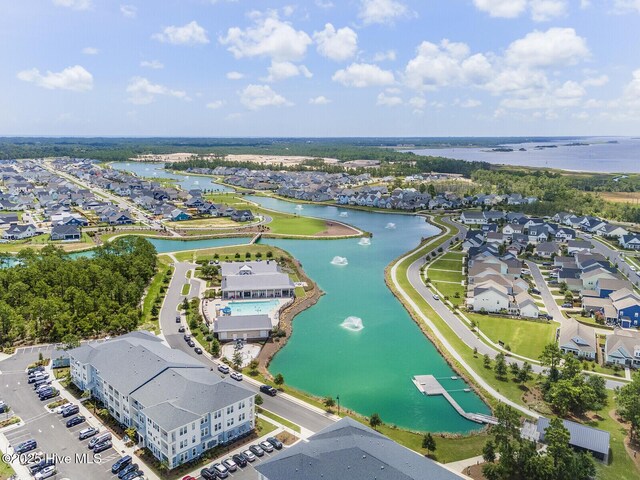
(436, 275)
(186, 288)
(153, 293)
(264, 427)
(280, 420)
(5, 470)
(525, 337)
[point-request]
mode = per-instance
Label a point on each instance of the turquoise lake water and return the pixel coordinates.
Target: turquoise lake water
(370, 369)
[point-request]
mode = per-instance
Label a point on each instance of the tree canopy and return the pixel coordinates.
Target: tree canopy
(51, 297)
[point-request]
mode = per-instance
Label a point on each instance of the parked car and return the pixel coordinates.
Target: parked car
(41, 465)
(77, 420)
(178, 319)
(208, 474)
(249, 456)
(240, 460)
(49, 394)
(26, 446)
(191, 343)
(436, 297)
(41, 383)
(266, 446)
(3, 406)
(103, 437)
(126, 470)
(256, 450)
(101, 447)
(37, 377)
(186, 337)
(188, 477)
(46, 472)
(223, 368)
(221, 470)
(230, 464)
(567, 305)
(236, 376)
(536, 291)
(277, 444)
(87, 433)
(133, 474)
(268, 390)
(33, 370)
(120, 464)
(198, 350)
(181, 329)
(72, 410)
(62, 407)
(32, 458)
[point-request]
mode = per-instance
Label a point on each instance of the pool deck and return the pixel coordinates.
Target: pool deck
(214, 308)
(429, 385)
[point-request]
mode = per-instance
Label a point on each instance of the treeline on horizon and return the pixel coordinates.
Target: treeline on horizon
(50, 297)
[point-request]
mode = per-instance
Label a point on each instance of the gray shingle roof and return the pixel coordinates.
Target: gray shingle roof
(242, 322)
(350, 450)
(256, 282)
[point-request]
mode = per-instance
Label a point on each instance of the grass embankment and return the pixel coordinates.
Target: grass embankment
(264, 427)
(524, 337)
(154, 296)
(445, 274)
(281, 224)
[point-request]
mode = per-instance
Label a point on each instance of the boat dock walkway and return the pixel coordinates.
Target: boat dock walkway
(255, 238)
(429, 385)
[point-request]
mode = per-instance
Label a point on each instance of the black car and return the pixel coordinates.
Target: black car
(126, 470)
(198, 350)
(277, 444)
(49, 395)
(240, 460)
(181, 329)
(268, 390)
(45, 462)
(208, 474)
(72, 410)
(535, 291)
(72, 422)
(177, 318)
(25, 446)
(120, 464)
(133, 474)
(186, 337)
(32, 370)
(191, 343)
(101, 447)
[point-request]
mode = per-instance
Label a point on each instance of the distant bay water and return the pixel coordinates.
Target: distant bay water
(592, 154)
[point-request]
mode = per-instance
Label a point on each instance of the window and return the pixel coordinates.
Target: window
(193, 439)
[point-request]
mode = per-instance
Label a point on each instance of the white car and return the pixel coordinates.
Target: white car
(62, 407)
(46, 472)
(436, 297)
(236, 376)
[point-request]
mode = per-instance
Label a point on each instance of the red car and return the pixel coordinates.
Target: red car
(188, 477)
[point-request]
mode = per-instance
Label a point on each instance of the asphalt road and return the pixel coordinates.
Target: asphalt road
(48, 429)
(615, 256)
(284, 407)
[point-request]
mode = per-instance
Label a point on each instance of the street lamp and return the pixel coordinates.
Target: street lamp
(338, 400)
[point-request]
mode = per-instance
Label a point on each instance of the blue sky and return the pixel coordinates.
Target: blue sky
(320, 67)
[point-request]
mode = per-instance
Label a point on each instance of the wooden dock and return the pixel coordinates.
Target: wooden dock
(255, 238)
(429, 385)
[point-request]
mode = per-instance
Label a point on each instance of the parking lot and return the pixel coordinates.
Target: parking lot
(74, 459)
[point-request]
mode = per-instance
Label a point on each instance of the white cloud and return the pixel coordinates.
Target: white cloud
(631, 95)
(337, 45)
(418, 103)
(388, 100)
(141, 91)
(446, 64)
(363, 75)
(319, 100)
(324, 4)
(626, 6)
(154, 64)
(470, 103)
(501, 8)
(74, 4)
(74, 78)
(585, 4)
(383, 56)
(129, 11)
(255, 97)
(189, 34)
(555, 47)
(381, 11)
(90, 51)
(215, 104)
(540, 10)
(283, 70)
(268, 37)
(543, 10)
(596, 81)
(235, 76)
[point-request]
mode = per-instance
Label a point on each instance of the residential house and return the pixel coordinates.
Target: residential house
(65, 233)
(490, 297)
(622, 347)
(578, 246)
(612, 231)
(578, 339)
(630, 241)
(547, 249)
(473, 218)
(19, 231)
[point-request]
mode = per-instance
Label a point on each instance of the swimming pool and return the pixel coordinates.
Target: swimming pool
(253, 307)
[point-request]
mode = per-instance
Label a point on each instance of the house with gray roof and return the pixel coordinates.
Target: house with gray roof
(246, 327)
(255, 280)
(623, 348)
(177, 405)
(348, 449)
(578, 339)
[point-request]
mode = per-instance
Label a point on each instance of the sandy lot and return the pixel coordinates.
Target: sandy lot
(169, 157)
(621, 197)
(275, 159)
